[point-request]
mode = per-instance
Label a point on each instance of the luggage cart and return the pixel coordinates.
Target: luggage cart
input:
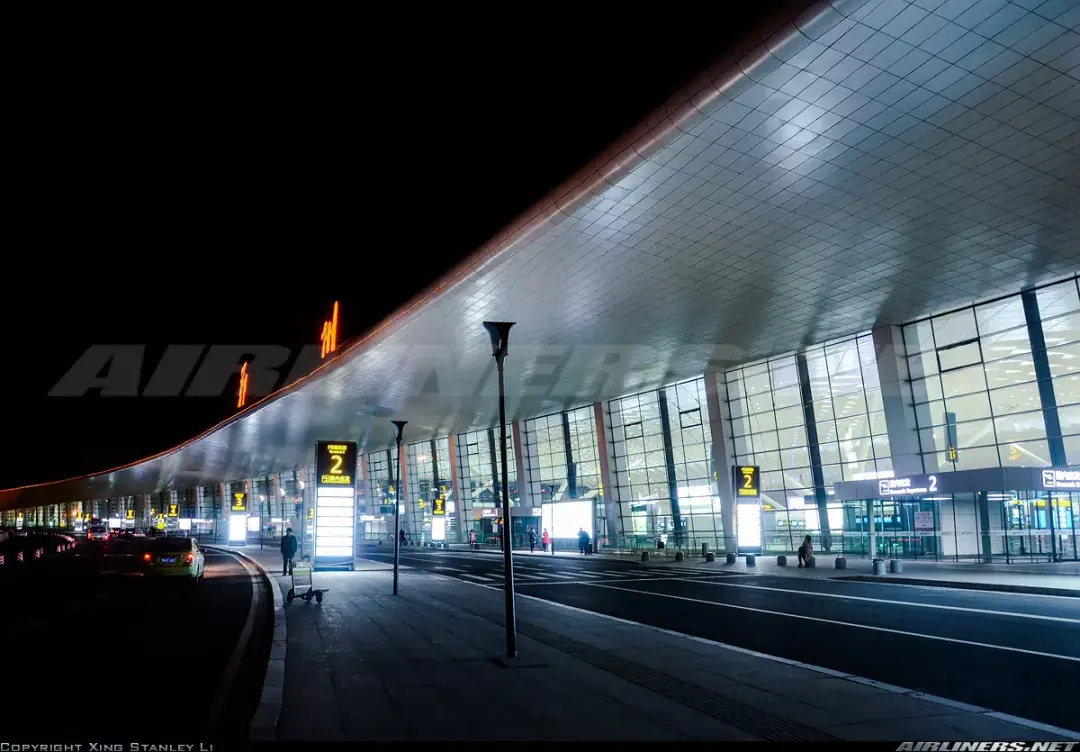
(301, 578)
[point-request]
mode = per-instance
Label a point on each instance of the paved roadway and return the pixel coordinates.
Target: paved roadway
(1018, 654)
(93, 649)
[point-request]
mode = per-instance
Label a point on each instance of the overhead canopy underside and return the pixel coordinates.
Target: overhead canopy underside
(859, 164)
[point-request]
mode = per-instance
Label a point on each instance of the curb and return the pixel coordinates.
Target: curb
(264, 722)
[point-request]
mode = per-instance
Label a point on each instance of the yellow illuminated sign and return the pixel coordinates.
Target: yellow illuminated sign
(335, 462)
(439, 507)
(174, 510)
(239, 503)
(311, 513)
(241, 397)
(128, 514)
(747, 484)
(328, 338)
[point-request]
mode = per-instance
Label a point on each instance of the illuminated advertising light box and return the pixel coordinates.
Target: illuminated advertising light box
(748, 525)
(564, 519)
(335, 504)
(238, 519)
(438, 529)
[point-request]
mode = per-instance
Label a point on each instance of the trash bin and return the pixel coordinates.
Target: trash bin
(879, 566)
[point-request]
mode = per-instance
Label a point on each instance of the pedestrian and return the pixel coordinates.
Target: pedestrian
(582, 537)
(472, 540)
(545, 540)
(288, 551)
(806, 553)
(403, 538)
(532, 540)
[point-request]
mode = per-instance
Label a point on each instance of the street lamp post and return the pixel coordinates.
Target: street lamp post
(399, 425)
(499, 331)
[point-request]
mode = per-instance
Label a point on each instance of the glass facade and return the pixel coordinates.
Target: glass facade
(1059, 309)
(427, 477)
(381, 495)
(563, 463)
(974, 389)
(663, 465)
(479, 475)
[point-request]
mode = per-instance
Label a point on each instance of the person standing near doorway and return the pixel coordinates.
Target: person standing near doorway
(545, 539)
(532, 540)
(288, 551)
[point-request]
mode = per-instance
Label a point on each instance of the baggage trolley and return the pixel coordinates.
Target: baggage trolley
(301, 579)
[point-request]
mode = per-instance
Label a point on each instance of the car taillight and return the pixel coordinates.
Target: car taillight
(189, 558)
(146, 557)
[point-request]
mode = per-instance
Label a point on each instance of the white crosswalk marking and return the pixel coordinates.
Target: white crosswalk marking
(524, 576)
(479, 577)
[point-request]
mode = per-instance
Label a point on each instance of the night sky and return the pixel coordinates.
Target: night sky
(193, 198)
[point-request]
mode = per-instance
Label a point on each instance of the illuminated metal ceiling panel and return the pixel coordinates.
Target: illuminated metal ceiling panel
(864, 163)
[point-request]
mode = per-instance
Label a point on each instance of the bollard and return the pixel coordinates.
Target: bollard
(879, 566)
(678, 556)
(731, 558)
(704, 549)
(644, 555)
(781, 561)
(710, 556)
(896, 566)
(841, 562)
(751, 560)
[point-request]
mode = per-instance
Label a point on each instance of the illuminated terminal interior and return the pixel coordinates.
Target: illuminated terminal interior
(954, 436)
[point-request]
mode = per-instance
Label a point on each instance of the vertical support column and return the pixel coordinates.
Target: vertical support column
(870, 527)
(571, 464)
(982, 509)
(716, 404)
(890, 355)
(365, 488)
(522, 479)
(455, 485)
(669, 462)
(820, 496)
(609, 489)
(402, 493)
(1043, 376)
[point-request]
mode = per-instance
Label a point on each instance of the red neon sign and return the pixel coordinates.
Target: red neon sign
(329, 333)
(242, 395)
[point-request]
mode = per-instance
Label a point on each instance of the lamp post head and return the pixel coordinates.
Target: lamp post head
(499, 331)
(398, 426)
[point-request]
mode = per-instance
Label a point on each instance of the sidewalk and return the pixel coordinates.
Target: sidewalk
(365, 665)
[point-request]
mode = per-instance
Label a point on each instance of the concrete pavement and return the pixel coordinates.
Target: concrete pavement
(364, 665)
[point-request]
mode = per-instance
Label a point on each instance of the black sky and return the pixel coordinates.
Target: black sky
(189, 190)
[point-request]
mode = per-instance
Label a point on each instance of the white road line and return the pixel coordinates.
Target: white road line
(522, 575)
(594, 582)
(449, 569)
(480, 577)
(939, 588)
(1065, 733)
(840, 623)
(989, 611)
(227, 678)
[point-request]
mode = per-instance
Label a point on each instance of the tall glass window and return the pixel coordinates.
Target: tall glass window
(427, 476)
(852, 436)
(479, 464)
(768, 429)
(382, 467)
(563, 461)
(640, 466)
(1059, 309)
(973, 388)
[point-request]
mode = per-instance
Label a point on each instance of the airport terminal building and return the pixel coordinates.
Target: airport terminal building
(845, 258)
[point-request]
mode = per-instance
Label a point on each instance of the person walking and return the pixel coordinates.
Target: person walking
(545, 539)
(288, 551)
(532, 540)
